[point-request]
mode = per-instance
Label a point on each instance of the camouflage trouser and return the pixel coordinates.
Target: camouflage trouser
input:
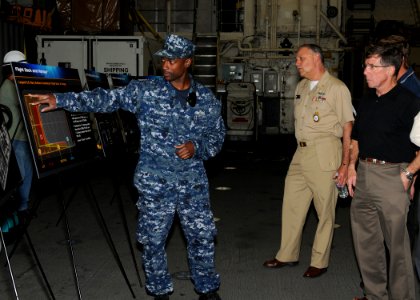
(157, 205)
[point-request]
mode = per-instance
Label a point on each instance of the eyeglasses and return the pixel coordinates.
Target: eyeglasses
(373, 67)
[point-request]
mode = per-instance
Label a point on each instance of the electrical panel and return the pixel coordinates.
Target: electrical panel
(232, 72)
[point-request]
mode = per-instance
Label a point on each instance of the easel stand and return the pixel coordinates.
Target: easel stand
(116, 182)
(13, 182)
(3, 245)
(89, 192)
(117, 195)
(31, 246)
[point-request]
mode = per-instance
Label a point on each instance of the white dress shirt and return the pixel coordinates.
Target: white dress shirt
(415, 131)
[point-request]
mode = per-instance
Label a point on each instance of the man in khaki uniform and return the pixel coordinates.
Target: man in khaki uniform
(323, 115)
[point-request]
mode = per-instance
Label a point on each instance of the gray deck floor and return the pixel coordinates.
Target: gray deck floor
(248, 226)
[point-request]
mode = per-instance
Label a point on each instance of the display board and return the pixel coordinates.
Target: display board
(59, 139)
(126, 120)
(96, 79)
(119, 80)
(5, 152)
(10, 177)
(110, 133)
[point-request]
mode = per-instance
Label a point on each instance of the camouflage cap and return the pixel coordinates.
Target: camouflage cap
(176, 47)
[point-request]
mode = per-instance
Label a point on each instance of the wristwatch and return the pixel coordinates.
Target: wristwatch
(407, 174)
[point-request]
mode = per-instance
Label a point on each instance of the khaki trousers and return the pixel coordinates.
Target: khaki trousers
(379, 214)
(307, 180)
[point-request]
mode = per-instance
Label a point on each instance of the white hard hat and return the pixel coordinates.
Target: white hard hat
(14, 56)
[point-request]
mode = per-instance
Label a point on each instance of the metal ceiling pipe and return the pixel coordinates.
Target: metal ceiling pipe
(274, 11)
(318, 20)
(342, 37)
(168, 16)
(260, 49)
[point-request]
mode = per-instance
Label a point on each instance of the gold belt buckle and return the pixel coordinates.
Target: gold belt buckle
(302, 144)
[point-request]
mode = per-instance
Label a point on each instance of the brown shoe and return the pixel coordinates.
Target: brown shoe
(312, 272)
(275, 264)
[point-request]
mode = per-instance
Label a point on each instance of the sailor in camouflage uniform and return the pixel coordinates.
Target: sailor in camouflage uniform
(181, 125)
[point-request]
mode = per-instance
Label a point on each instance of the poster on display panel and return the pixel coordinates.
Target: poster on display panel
(110, 135)
(59, 139)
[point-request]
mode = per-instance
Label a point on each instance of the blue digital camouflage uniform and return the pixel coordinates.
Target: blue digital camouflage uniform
(166, 183)
(176, 46)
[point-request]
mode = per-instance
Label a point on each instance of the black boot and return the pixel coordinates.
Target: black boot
(162, 297)
(210, 296)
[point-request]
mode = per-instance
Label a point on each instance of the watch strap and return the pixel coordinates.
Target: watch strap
(407, 174)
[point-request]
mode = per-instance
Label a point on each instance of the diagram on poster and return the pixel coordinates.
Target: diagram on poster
(59, 139)
(51, 131)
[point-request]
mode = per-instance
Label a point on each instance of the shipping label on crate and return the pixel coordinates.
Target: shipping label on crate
(116, 68)
(117, 56)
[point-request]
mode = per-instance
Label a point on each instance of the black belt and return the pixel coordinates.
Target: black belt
(305, 144)
(316, 140)
(377, 161)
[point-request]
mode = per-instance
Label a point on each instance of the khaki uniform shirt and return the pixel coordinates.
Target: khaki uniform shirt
(323, 111)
